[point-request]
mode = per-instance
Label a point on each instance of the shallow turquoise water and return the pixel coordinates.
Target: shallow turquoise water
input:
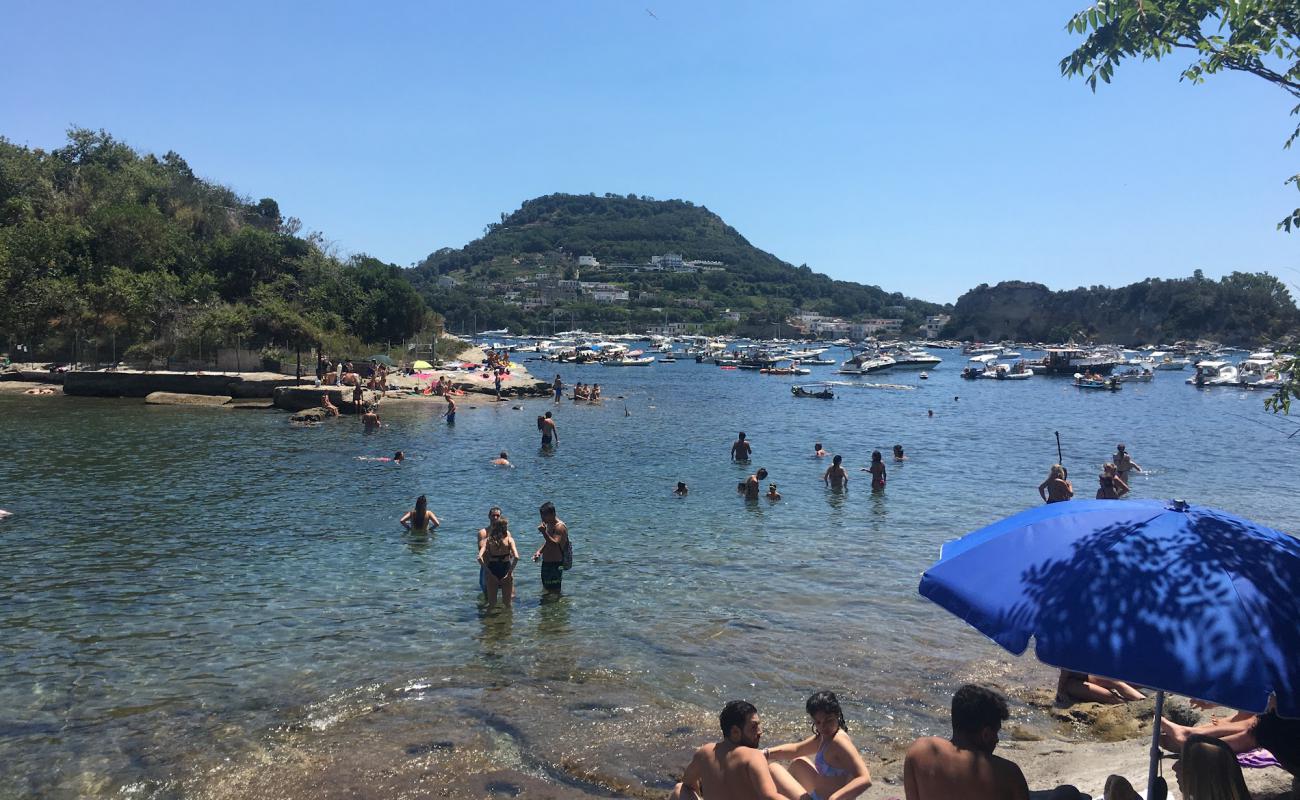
(183, 581)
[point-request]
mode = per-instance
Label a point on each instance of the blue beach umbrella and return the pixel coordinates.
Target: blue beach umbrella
(1178, 597)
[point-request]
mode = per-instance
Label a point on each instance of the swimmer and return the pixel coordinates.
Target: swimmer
(752, 483)
(4, 513)
(930, 412)
(681, 490)
(741, 451)
(420, 519)
(835, 476)
(331, 410)
(399, 457)
(502, 460)
(772, 493)
(818, 452)
(898, 453)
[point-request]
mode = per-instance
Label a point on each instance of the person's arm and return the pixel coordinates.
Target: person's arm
(826, 477)
(1019, 786)
(405, 521)
(1135, 466)
(693, 777)
(1042, 490)
(1120, 486)
(482, 549)
(1069, 489)
(910, 790)
(861, 780)
(433, 519)
(555, 432)
(514, 551)
(557, 537)
(791, 750)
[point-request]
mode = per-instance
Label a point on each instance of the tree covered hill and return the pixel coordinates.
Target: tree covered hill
(100, 243)
(1242, 309)
(552, 231)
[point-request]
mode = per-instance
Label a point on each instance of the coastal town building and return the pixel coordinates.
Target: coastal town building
(934, 324)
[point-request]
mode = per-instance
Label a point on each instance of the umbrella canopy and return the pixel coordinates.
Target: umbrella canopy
(422, 365)
(1178, 597)
(382, 359)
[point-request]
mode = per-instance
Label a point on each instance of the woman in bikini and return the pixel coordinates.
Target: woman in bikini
(826, 763)
(877, 471)
(1056, 488)
(498, 554)
(1110, 486)
(420, 519)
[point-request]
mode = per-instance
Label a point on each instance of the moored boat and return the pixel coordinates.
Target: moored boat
(1095, 381)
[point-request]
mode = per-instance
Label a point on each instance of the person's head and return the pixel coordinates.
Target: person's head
(1108, 468)
(827, 717)
(548, 415)
(741, 436)
(1208, 770)
(499, 528)
(977, 716)
(771, 488)
(494, 513)
(837, 460)
(681, 486)
(1119, 448)
(421, 506)
(898, 449)
(761, 474)
(504, 456)
(547, 511)
(740, 724)
(1057, 471)
(399, 456)
(875, 455)
(817, 446)
(930, 412)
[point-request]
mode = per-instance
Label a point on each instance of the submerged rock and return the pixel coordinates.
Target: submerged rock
(184, 399)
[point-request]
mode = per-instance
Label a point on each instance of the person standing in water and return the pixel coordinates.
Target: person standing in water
(420, 519)
(555, 535)
(549, 433)
(877, 471)
(450, 413)
(898, 453)
(1109, 485)
(835, 476)
(498, 555)
(752, 484)
(1124, 463)
(1056, 488)
(740, 449)
(558, 387)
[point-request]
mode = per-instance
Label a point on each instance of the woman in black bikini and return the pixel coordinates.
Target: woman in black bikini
(1111, 486)
(498, 554)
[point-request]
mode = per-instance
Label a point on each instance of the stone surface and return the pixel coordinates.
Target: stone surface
(182, 399)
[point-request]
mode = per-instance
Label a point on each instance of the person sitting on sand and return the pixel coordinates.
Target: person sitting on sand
(826, 764)
(1243, 733)
(818, 452)
(502, 460)
(420, 519)
(498, 554)
(1110, 487)
(1207, 769)
(331, 410)
(734, 768)
(752, 484)
(964, 766)
(1072, 687)
(370, 419)
(1056, 488)
(681, 490)
(772, 493)
(835, 475)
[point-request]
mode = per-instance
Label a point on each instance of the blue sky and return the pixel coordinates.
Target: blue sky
(925, 148)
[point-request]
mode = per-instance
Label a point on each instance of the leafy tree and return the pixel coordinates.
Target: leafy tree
(1257, 37)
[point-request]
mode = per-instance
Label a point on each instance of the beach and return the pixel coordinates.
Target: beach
(243, 617)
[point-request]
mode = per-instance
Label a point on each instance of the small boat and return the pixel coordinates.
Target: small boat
(1003, 372)
(1214, 373)
(819, 362)
(668, 360)
(925, 376)
(1137, 374)
(1097, 382)
(821, 391)
(628, 362)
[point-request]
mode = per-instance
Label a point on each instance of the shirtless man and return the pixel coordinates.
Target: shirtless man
(555, 536)
(558, 387)
(818, 452)
(964, 766)
(549, 433)
(740, 449)
(450, 413)
(752, 484)
(370, 419)
(734, 768)
(835, 475)
(502, 460)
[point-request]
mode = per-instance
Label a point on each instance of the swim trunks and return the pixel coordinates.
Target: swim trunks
(451, 418)
(552, 575)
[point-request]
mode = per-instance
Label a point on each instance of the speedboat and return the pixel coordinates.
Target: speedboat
(1004, 372)
(819, 390)
(628, 361)
(1260, 371)
(1214, 373)
(1140, 374)
(1095, 381)
(865, 363)
(914, 358)
(1165, 360)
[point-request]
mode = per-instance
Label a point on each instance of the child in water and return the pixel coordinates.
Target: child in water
(772, 493)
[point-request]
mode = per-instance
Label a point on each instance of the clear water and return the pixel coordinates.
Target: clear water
(210, 602)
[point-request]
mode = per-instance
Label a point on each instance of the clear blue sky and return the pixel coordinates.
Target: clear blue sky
(925, 148)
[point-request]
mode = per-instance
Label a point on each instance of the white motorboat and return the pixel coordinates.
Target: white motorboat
(628, 361)
(865, 363)
(1260, 371)
(1165, 360)
(1006, 372)
(914, 358)
(1214, 373)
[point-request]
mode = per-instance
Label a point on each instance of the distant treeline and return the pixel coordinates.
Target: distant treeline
(1240, 309)
(629, 230)
(100, 243)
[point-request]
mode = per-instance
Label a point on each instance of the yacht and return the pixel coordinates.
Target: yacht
(1259, 370)
(914, 358)
(864, 363)
(1214, 373)
(1165, 360)
(1069, 360)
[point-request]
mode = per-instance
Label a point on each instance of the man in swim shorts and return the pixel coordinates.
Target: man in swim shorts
(549, 433)
(752, 484)
(740, 449)
(556, 539)
(450, 414)
(558, 386)
(734, 768)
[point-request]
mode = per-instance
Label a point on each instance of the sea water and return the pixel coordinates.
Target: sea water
(214, 602)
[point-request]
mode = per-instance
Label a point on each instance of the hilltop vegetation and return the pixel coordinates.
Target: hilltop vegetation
(1241, 308)
(551, 232)
(99, 243)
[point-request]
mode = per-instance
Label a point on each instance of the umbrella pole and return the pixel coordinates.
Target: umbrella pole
(1155, 745)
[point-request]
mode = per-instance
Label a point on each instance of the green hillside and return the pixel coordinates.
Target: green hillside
(107, 251)
(548, 234)
(1241, 309)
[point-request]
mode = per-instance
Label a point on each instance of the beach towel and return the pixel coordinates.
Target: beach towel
(1259, 758)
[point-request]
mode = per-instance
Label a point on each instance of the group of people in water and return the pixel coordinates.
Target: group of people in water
(836, 477)
(1112, 483)
(828, 766)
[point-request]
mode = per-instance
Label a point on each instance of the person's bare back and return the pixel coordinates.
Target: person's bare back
(937, 769)
(724, 771)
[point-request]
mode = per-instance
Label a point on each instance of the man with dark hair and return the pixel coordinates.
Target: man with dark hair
(555, 535)
(734, 768)
(740, 450)
(547, 426)
(752, 484)
(964, 766)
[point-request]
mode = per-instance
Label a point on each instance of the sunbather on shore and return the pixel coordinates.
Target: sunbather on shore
(825, 764)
